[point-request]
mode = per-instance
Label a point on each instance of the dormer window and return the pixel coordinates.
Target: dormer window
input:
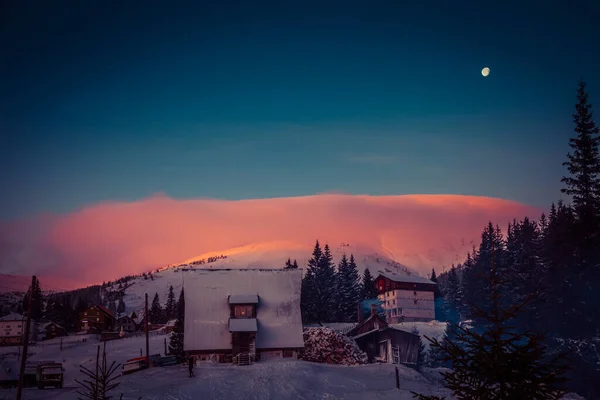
(243, 305)
(243, 311)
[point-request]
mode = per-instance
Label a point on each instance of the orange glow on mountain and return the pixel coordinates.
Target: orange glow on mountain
(109, 240)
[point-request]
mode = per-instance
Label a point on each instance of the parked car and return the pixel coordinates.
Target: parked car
(50, 374)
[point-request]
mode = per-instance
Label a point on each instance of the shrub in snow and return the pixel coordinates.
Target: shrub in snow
(324, 345)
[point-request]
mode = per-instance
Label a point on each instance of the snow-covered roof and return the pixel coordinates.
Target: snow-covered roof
(43, 326)
(242, 325)
(243, 299)
(405, 278)
(13, 317)
(207, 311)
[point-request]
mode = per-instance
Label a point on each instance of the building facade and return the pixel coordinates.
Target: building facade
(12, 328)
(96, 319)
(242, 316)
(406, 297)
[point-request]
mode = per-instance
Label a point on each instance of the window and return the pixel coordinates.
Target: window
(240, 311)
(288, 353)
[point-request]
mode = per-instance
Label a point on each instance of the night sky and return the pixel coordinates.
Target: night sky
(118, 100)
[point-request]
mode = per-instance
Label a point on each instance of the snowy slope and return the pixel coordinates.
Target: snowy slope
(269, 255)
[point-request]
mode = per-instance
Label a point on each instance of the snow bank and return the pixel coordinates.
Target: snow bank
(324, 345)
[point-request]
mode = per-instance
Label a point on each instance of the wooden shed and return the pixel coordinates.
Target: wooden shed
(384, 343)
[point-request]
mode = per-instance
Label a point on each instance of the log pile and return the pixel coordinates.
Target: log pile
(324, 345)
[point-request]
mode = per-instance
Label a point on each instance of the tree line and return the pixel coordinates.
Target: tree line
(551, 266)
(331, 294)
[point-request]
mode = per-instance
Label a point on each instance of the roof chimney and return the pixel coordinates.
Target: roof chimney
(361, 316)
(373, 309)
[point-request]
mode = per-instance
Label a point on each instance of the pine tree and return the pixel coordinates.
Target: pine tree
(308, 297)
(498, 362)
(156, 311)
(583, 183)
(295, 265)
(438, 300)
(37, 302)
(120, 306)
(288, 264)
(369, 291)
(452, 295)
(348, 289)
(171, 306)
(176, 340)
(326, 283)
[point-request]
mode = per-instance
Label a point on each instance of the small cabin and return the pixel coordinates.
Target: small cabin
(384, 343)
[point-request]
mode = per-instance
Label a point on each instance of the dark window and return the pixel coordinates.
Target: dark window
(243, 311)
(288, 353)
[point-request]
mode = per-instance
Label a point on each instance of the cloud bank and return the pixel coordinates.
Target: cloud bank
(109, 240)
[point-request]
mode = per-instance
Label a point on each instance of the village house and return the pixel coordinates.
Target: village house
(406, 297)
(385, 343)
(242, 316)
(96, 319)
(12, 328)
(50, 330)
(126, 324)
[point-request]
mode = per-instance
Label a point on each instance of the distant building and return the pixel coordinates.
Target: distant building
(12, 328)
(127, 324)
(96, 319)
(406, 297)
(50, 330)
(243, 315)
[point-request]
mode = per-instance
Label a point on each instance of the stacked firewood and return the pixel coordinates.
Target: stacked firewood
(324, 345)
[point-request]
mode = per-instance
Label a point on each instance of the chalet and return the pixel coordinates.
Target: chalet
(12, 328)
(243, 315)
(51, 330)
(96, 319)
(126, 324)
(385, 343)
(406, 297)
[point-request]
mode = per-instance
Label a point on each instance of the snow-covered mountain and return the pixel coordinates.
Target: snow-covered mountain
(270, 255)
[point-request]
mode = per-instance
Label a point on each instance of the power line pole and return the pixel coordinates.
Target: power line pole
(146, 329)
(25, 339)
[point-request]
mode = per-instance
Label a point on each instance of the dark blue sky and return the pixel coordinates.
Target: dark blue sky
(117, 100)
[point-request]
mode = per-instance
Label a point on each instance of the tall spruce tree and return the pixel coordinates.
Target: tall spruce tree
(309, 291)
(288, 264)
(453, 295)
(171, 306)
(326, 282)
(498, 362)
(37, 302)
(176, 340)
(348, 289)
(156, 311)
(369, 291)
(583, 183)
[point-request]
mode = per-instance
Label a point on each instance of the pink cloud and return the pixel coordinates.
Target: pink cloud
(108, 240)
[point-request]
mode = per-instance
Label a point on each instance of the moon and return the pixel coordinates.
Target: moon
(485, 71)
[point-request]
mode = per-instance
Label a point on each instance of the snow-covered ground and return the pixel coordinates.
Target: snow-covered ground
(280, 379)
(276, 379)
